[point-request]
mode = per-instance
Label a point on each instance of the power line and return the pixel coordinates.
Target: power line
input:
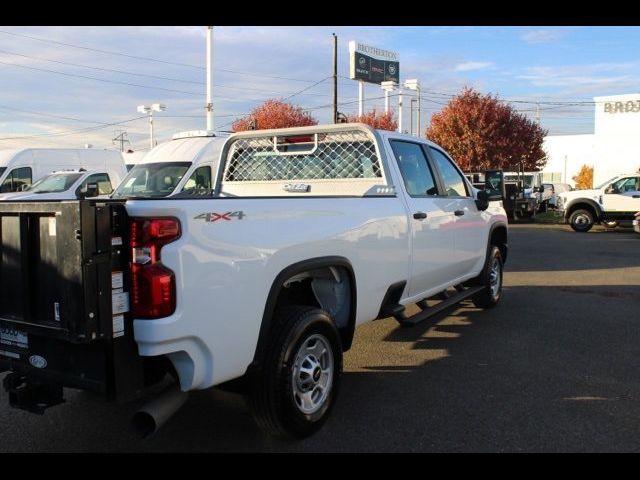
(72, 132)
(100, 51)
(102, 69)
(307, 88)
(153, 59)
(6, 107)
(99, 79)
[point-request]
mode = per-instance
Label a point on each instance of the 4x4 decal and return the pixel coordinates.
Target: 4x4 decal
(214, 217)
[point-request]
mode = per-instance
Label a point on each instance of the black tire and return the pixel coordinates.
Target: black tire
(489, 297)
(275, 393)
(581, 220)
(611, 224)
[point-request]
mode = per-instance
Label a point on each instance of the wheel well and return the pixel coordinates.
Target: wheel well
(583, 206)
(328, 288)
(327, 283)
(499, 239)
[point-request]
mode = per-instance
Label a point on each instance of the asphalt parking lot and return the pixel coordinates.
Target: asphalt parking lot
(554, 368)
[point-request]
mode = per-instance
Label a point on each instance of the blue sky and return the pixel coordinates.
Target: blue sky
(552, 65)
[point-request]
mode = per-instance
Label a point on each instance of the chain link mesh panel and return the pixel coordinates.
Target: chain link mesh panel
(340, 155)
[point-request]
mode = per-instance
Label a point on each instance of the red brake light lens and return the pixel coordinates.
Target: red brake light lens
(153, 286)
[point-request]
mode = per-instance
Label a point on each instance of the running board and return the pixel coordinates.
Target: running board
(431, 311)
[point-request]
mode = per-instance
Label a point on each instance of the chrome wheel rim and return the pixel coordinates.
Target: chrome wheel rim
(581, 219)
(312, 374)
(495, 279)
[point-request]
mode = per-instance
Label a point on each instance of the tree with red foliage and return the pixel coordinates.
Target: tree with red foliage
(482, 133)
(383, 121)
(274, 114)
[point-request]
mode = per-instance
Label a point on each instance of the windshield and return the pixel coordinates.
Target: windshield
(528, 179)
(152, 179)
(58, 182)
(2, 170)
(602, 185)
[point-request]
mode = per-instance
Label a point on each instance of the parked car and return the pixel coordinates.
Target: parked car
(257, 282)
(20, 168)
(70, 185)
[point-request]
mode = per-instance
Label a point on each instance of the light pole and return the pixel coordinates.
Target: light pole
(156, 107)
(414, 84)
(388, 86)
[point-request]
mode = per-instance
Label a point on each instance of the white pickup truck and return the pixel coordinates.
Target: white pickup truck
(256, 284)
(610, 203)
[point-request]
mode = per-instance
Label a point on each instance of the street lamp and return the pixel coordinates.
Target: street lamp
(414, 84)
(156, 107)
(388, 86)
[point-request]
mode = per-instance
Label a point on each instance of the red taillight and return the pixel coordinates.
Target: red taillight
(153, 286)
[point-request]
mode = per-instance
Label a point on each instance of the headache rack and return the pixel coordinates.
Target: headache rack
(324, 160)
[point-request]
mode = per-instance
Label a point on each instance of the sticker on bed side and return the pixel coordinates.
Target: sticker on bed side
(119, 303)
(117, 280)
(116, 241)
(118, 326)
(38, 361)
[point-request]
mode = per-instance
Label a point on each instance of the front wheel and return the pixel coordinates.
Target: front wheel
(581, 220)
(491, 280)
(296, 389)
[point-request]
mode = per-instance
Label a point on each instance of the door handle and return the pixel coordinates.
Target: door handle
(458, 213)
(419, 215)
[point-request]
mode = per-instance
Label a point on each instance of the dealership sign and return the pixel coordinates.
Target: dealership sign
(622, 107)
(372, 64)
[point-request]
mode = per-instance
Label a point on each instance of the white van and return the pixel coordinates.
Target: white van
(189, 162)
(19, 168)
(70, 185)
(131, 159)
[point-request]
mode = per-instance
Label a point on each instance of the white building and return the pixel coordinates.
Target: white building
(612, 148)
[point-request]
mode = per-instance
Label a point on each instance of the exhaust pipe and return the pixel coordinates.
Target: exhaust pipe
(155, 414)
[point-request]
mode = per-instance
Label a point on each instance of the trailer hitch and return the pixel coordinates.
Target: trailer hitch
(31, 395)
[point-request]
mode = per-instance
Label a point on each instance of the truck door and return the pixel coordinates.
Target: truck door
(431, 223)
(623, 195)
(469, 231)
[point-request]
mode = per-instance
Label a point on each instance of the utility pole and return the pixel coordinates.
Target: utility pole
(120, 136)
(209, 106)
(335, 78)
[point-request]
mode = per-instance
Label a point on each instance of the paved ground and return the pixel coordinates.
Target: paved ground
(555, 367)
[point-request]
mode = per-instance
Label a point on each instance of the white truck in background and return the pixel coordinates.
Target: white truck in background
(71, 184)
(256, 283)
(19, 168)
(186, 163)
(611, 203)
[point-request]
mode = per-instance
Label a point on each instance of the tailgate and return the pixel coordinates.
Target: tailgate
(64, 298)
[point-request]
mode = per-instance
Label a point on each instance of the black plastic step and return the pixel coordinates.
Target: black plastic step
(30, 395)
(428, 312)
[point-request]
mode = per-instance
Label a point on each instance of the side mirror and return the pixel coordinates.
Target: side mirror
(23, 187)
(482, 200)
(494, 185)
(540, 189)
(92, 191)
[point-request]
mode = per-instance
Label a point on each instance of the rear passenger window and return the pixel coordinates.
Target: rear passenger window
(417, 176)
(102, 179)
(200, 179)
(16, 180)
(454, 183)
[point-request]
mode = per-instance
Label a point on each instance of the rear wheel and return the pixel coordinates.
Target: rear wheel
(296, 389)
(491, 280)
(581, 220)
